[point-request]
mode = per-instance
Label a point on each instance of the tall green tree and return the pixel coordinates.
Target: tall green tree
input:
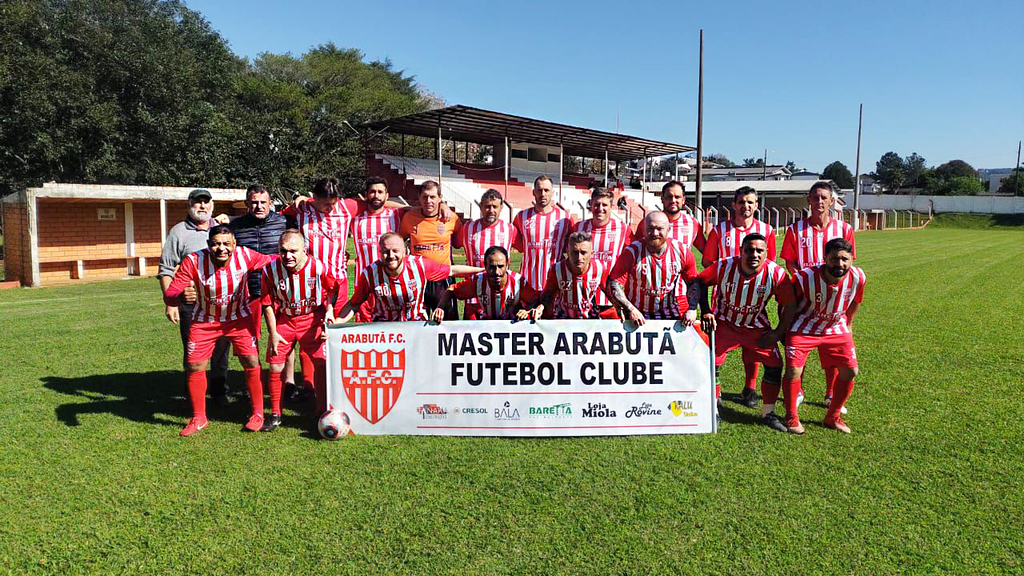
(839, 173)
(955, 168)
(890, 171)
(913, 166)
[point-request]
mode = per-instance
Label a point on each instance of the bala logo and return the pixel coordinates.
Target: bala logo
(599, 410)
(506, 413)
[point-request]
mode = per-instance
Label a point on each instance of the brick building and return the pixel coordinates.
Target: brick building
(62, 233)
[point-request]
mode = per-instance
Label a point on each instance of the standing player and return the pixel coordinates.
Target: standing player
(652, 276)
(745, 285)
(398, 283)
(479, 236)
(827, 299)
(574, 283)
(430, 237)
(298, 295)
(497, 290)
(804, 246)
(682, 227)
(724, 241)
(221, 311)
(541, 234)
(375, 220)
(610, 238)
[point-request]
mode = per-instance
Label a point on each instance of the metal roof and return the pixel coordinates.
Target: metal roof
(486, 127)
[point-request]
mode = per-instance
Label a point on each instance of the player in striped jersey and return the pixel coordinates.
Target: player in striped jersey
(221, 311)
(375, 220)
(610, 238)
(497, 290)
(574, 283)
(398, 283)
(652, 277)
(745, 285)
(828, 297)
(682, 227)
(479, 236)
(298, 297)
(541, 232)
(724, 241)
(804, 246)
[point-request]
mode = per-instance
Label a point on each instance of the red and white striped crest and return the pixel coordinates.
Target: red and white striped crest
(373, 380)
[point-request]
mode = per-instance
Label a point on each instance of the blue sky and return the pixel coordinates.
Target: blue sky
(943, 79)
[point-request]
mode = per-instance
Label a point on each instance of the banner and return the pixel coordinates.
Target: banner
(498, 378)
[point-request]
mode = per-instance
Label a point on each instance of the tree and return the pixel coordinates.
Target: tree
(890, 171)
(913, 166)
(1012, 184)
(753, 162)
(965, 186)
(838, 173)
(955, 168)
(719, 158)
(791, 166)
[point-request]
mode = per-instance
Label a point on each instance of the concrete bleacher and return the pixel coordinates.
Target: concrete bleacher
(461, 193)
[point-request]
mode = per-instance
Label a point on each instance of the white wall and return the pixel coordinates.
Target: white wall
(975, 204)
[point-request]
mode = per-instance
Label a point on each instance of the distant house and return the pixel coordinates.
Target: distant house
(759, 173)
(806, 175)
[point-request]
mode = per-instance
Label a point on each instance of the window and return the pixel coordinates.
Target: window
(518, 153)
(552, 157)
(537, 154)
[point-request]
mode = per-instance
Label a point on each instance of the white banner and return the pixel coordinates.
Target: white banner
(497, 378)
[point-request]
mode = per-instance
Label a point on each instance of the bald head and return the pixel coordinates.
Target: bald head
(656, 231)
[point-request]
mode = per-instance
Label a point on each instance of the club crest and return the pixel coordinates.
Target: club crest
(373, 380)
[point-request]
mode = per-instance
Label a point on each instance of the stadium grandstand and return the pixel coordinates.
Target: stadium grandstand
(522, 149)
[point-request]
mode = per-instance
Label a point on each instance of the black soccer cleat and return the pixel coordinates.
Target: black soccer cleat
(749, 398)
(270, 423)
(774, 422)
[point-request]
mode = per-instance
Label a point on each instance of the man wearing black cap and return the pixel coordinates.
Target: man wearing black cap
(188, 236)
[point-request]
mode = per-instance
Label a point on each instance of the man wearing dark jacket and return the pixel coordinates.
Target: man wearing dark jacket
(260, 229)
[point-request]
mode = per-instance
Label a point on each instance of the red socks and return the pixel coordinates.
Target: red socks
(791, 387)
(275, 392)
(750, 370)
(252, 382)
(842, 394)
(831, 377)
(197, 393)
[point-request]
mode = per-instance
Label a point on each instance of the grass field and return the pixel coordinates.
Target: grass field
(94, 479)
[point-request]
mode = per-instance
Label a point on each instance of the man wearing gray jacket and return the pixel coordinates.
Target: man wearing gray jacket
(184, 238)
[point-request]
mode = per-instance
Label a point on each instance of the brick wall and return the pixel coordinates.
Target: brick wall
(70, 231)
(147, 232)
(17, 265)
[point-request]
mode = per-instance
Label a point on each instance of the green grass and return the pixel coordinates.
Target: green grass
(978, 221)
(94, 479)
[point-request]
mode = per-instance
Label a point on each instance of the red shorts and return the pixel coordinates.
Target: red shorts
(203, 336)
(834, 350)
(304, 330)
(472, 311)
(729, 338)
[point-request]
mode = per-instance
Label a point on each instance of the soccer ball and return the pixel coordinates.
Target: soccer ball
(333, 424)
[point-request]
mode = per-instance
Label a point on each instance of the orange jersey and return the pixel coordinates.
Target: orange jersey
(429, 237)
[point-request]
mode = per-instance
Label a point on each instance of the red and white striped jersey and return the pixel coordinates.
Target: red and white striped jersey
(399, 299)
(476, 237)
(656, 285)
(821, 307)
(609, 242)
(575, 297)
(804, 245)
(367, 229)
(327, 234)
(493, 305)
(684, 229)
(221, 293)
(541, 238)
(299, 293)
(740, 300)
(725, 239)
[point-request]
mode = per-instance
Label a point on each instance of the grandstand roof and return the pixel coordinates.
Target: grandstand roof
(486, 127)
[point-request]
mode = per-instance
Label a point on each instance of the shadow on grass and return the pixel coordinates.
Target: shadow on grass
(733, 416)
(148, 397)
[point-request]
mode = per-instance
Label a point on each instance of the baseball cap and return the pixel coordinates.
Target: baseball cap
(199, 194)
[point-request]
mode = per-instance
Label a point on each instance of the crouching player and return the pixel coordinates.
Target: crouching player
(745, 285)
(576, 283)
(298, 297)
(827, 297)
(398, 283)
(496, 292)
(221, 311)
